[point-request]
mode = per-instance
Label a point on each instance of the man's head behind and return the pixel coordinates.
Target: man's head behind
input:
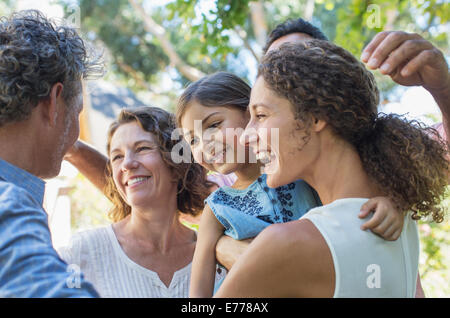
(41, 69)
(35, 54)
(298, 30)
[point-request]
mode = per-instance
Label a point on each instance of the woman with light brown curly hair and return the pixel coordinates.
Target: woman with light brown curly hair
(147, 252)
(324, 104)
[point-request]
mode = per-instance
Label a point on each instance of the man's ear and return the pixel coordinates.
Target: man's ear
(50, 105)
(318, 124)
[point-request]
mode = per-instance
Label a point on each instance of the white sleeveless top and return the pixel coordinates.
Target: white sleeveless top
(98, 255)
(366, 265)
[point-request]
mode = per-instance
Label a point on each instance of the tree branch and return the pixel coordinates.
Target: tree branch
(243, 36)
(309, 10)
(135, 75)
(152, 27)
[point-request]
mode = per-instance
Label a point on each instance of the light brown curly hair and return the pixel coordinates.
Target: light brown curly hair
(323, 81)
(193, 186)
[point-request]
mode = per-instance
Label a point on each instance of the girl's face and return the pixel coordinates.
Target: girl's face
(139, 172)
(275, 137)
(213, 134)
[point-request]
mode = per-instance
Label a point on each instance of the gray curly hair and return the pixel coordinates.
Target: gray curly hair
(35, 54)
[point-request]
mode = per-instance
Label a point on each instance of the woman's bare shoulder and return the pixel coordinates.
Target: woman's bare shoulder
(285, 260)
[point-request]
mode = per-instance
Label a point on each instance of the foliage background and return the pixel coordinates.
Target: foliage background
(156, 47)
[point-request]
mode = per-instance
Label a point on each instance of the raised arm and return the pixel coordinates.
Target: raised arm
(443, 100)
(410, 60)
(90, 162)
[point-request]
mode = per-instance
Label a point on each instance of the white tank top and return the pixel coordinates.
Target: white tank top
(365, 264)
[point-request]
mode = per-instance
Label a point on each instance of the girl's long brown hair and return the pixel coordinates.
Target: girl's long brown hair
(217, 89)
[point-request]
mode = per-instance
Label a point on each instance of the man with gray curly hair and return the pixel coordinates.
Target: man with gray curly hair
(41, 70)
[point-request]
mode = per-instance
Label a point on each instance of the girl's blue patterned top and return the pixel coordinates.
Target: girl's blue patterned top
(245, 213)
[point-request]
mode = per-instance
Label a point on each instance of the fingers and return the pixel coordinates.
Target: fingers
(385, 43)
(392, 233)
(386, 221)
(423, 58)
(385, 47)
(366, 208)
(368, 50)
(381, 228)
(388, 235)
(396, 235)
(407, 51)
(388, 229)
(375, 221)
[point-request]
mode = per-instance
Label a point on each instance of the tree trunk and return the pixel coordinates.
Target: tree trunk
(152, 27)
(391, 16)
(309, 10)
(258, 22)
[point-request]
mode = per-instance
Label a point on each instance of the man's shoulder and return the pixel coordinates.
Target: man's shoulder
(18, 206)
(11, 193)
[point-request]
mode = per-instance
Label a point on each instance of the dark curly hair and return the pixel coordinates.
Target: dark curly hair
(323, 81)
(217, 89)
(35, 54)
(193, 186)
(293, 26)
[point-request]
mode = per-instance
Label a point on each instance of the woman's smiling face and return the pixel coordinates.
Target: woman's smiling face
(139, 172)
(276, 137)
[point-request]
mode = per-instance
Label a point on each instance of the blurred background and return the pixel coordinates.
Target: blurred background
(154, 48)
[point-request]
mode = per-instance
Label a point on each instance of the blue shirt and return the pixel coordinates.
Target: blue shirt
(29, 265)
(245, 213)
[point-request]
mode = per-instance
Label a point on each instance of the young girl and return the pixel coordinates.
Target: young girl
(219, 102)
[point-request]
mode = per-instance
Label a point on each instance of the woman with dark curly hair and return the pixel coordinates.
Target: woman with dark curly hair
(147, 252)
(324, 103)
